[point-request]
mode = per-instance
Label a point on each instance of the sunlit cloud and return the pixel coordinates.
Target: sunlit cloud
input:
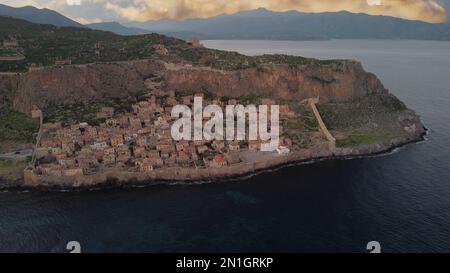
(73, 2)
(142, 10)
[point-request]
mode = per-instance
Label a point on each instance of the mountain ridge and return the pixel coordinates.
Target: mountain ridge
(38, 16)
(269, 25)
(258, 24)
(117, 28)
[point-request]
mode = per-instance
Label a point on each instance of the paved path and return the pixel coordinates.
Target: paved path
(323, 128)
(18, 154)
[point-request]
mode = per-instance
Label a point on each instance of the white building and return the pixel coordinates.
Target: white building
(283, 150)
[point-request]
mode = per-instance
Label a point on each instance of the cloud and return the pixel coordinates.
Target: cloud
(141, 10)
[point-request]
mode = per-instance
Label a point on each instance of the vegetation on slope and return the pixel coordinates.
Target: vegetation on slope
(356, 139)
(12, 169)
(360, 112)
(17, 127)
(71, 114)
(42, 45)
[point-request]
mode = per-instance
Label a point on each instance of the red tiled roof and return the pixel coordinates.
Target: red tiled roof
(219, 159)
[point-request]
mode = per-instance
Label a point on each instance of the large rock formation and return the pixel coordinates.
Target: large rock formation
(340, 81)
(76, 84)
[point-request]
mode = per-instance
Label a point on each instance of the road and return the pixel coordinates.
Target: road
(18, 154)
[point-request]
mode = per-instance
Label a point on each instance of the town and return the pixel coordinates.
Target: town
(141, 141)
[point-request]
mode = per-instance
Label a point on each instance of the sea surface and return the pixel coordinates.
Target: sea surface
(401, 200)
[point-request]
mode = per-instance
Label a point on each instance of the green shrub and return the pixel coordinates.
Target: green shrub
(356, 139)
(18, 127)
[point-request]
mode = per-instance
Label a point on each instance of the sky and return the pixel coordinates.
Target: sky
(90, 11)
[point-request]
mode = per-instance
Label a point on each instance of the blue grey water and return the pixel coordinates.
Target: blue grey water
(401, 200)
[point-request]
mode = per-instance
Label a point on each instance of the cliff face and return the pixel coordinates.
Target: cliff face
(77, 84)
(335, 82)
(8, 84)
(87, 83)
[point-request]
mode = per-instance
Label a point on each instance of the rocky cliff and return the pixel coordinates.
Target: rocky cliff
(75, 84)
(8, 86)
(340, 81)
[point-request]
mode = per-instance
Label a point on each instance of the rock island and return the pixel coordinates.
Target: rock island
(96, 108)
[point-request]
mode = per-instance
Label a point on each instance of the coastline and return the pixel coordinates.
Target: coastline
(187, 176)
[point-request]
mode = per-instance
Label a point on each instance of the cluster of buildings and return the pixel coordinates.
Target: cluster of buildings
(137, 141)
(10, 50)
(10, 43)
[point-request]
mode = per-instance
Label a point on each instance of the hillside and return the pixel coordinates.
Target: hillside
(39, 16)
(262, 24)
(48, 45)
(117, 28)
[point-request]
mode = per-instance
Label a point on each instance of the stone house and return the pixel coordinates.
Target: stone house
(198, 142)
(156, 161)
(116, 140)
(190, 149)
(283, 150)
(99, 145)
(11, 43)
(183, 158)
(218, 144)
(182, 145)
(123, 153)
(135, 123)
(106, 112)
(112, 122)
(68, 147)
(202, 149)
(218, 161)
(55, 150)
(171, 160)
(232, 158)
(143, 165)
(195, 42)
(123, 121)
(109, 159)
(141, 141)
(234, 146)
(139, 151)
(50, 142)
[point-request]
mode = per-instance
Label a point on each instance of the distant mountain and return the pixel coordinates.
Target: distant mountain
(39, 16)
(118, 28)
(129, 31)
(293, 25)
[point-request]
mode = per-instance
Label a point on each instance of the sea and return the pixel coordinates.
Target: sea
(400, 200)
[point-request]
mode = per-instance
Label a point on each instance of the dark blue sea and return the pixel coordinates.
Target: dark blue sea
(401, 200)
